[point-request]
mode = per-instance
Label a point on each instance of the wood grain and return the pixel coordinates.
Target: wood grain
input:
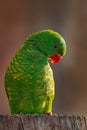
(42, 122)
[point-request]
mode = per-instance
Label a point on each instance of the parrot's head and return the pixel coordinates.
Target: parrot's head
(51, 44)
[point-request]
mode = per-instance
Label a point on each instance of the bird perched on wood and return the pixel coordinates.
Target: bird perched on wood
(29, 81)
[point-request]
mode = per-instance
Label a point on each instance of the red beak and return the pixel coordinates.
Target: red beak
(55, 58)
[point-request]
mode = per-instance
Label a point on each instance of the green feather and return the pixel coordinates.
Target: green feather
(29, 81)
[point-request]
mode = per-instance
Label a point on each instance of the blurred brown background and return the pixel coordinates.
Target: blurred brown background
(20, 18)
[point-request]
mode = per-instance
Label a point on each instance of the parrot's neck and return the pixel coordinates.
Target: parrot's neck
(34, 54)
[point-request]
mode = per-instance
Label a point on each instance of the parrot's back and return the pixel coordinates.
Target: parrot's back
(29, 82)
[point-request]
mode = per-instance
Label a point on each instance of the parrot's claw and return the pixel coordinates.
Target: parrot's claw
(49, 113)
(21, 113)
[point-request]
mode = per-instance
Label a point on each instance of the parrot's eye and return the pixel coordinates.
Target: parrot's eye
(55, 46)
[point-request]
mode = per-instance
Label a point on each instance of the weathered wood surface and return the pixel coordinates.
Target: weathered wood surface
(42, 122)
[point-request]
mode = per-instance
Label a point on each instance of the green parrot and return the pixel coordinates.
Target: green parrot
(29, 81)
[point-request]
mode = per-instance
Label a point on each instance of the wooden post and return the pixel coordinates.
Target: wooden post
(42, 122)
